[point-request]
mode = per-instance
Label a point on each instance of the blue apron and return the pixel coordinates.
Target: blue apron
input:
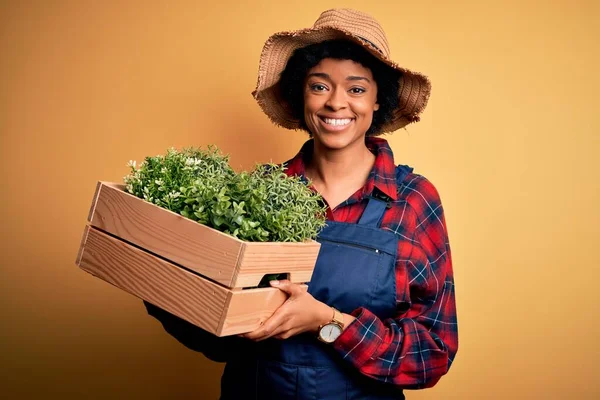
(355, 268)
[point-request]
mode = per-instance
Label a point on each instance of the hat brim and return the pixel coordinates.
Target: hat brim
(413, 94)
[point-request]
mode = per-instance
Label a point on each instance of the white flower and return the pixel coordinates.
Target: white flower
(193, 161)
(131, 163)
(159, 182)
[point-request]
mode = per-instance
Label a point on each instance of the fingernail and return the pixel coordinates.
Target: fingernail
(274, 283)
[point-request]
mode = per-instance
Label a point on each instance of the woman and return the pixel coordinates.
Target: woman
(379, 315)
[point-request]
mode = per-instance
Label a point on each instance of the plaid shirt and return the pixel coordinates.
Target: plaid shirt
(414, 349)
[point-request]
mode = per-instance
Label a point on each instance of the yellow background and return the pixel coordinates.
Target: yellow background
(510, 139)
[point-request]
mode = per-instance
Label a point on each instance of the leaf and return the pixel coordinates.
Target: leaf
(217, 220)
(258, 205)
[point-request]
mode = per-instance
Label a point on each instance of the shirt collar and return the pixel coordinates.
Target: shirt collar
(382, 177)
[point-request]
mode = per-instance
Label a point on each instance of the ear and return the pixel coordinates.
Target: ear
(376, 107)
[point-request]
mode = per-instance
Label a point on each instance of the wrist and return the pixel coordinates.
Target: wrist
(323, 316)
(333, 328)
(348, 319)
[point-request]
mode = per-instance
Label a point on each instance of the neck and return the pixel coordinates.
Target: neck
(332, 168)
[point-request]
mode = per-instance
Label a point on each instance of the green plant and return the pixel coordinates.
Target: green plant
(264, 204)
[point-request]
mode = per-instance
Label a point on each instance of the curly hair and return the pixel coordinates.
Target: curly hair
(291, 83)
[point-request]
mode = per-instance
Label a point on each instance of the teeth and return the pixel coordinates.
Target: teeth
(337, 122)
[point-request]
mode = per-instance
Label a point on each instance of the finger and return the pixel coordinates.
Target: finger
(275, 327)
(267, 333)
(286, 334)
(276, 332)
(269, 326)
(287, 286)
(257, 333)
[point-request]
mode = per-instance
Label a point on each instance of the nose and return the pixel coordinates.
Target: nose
(337, 99)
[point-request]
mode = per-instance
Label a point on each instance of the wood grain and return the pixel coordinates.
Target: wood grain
(213, 307)
(81, 245)
(213, 254)
(258, 259)
(94, 201)
(148, 277)
(248, 309)
(165, 233)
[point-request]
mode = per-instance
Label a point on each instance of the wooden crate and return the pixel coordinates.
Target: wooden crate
(213, 254)
(184, 267)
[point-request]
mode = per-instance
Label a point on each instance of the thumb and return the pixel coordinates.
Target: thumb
(286, 286)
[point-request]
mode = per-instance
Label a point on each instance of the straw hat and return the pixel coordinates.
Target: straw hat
(347, 24)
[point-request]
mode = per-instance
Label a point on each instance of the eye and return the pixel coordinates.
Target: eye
(357, 90)
(317, 87)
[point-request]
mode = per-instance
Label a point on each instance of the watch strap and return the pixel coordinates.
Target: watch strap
(338, 317)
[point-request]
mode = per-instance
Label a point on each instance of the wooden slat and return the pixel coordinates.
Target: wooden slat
(148, 277)
(82, 244)
(248, 309)
(160, 231)
(258, 259)
(94, 201)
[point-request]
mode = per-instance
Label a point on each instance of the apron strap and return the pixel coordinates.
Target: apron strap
(373, 214)
(401, 172)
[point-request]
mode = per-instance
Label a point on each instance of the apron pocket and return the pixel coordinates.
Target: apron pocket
(338, 263)
(277, 381)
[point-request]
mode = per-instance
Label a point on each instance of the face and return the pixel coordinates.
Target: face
(340, 97)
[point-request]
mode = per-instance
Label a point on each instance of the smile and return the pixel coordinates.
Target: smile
(335, 124)
(337, 121)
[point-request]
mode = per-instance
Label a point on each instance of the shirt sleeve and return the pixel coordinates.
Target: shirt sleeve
(218, 349)
(417, 347)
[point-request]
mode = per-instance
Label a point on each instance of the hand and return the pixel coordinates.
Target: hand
(300, 313)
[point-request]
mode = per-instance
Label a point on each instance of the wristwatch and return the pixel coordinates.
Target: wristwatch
(330, 331)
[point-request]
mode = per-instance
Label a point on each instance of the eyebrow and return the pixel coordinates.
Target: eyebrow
(350, 78)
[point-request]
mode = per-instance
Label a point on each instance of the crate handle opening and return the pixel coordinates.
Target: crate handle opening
(264, 282)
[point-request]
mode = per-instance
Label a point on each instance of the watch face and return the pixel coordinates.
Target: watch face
(330, 332)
